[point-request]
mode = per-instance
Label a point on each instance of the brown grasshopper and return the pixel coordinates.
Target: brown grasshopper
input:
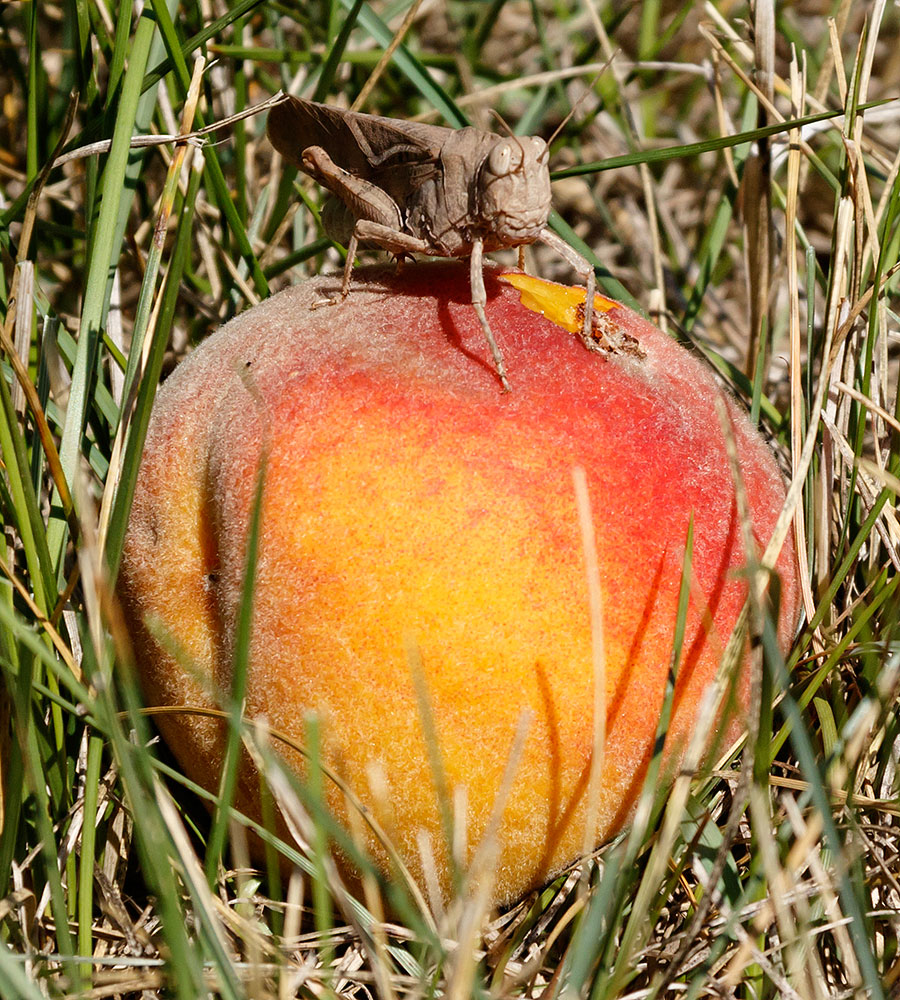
(413, 188)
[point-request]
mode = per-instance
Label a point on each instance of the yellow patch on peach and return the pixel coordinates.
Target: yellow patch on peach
(561, 304)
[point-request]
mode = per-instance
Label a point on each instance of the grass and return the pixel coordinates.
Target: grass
(778, 876)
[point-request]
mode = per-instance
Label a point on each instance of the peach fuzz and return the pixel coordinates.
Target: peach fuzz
(408, 500)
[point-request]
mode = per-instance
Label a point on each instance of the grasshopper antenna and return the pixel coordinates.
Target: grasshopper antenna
(511, 134)
(578, 103)
(503, 123)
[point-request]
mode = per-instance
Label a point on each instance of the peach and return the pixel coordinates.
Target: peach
(410, 503)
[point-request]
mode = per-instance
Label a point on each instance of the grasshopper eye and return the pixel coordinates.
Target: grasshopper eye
(499, 159)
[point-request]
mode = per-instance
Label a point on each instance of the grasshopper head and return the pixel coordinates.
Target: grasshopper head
(514, 191)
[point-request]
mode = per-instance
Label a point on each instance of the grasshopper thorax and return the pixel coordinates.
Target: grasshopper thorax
(513, 193)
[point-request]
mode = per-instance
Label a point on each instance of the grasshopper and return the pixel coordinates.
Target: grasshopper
(413, 188)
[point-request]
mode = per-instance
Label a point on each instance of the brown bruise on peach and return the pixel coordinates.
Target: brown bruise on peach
(439, 512)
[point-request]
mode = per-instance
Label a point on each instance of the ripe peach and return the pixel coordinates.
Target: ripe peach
(408, 500)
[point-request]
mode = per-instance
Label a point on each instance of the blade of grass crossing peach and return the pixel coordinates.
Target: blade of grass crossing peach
(315, 807)
(443, 792)
(316, 824)
(322, 912)
(158, 856)
(240, 663)
(648, 901)
(593, 948)
(649, 791)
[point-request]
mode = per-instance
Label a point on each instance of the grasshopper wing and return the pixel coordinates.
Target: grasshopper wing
(391, 153)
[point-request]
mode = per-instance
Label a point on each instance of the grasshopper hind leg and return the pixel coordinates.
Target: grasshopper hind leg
(328, 300)
(479, 299)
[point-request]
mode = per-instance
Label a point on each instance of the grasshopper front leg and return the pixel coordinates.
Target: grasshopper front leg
(403, 243)
(378, 221)
(584, 270)
(479, 300)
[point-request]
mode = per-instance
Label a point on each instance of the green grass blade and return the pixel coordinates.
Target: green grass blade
(219, 186)
(13, 980)
(29, 524)
(88, 850)
(240, 664)
(103, 255)
(131, 460)
(410, 67)
(662, 154)
(336, 53)
(239, 10)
